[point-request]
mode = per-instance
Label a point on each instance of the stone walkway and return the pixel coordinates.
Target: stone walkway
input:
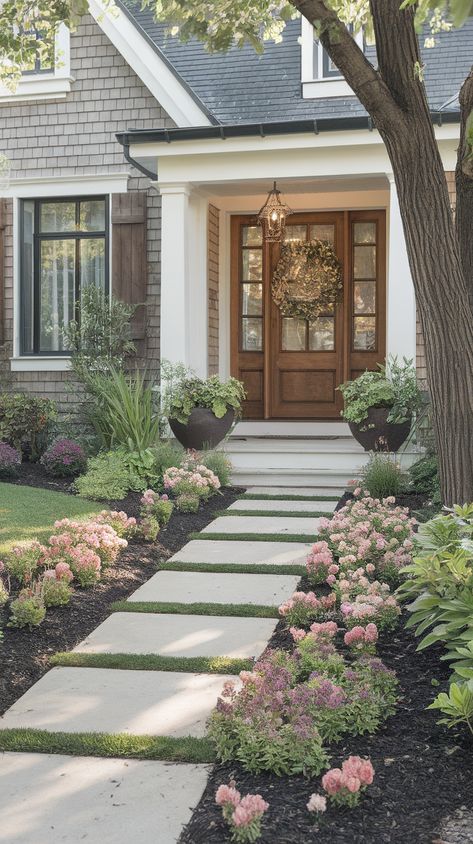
(47, 799)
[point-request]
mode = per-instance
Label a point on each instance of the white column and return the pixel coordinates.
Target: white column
(401, 306)
(184, 298)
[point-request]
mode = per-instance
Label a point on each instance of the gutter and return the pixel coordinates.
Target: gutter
(246, 130)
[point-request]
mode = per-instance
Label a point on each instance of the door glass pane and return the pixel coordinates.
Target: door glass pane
(92, 262)
(295, 234)
(252, 236)
(322, 334)
(27, 282)
(251, 334)
(323, 231)
(58, 217)
(252, 299)
(364, 333)
(364, 232)
(364, 297)
(293, 334)
(92, 215)
(252, 265)
(364, 262)
(57, 272)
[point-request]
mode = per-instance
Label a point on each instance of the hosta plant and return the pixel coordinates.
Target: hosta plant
(183, 391)
(456, 706)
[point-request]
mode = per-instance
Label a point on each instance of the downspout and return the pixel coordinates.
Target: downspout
(134, 163)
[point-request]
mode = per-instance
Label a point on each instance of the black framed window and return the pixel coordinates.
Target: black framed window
(44, 63)
(64, 249)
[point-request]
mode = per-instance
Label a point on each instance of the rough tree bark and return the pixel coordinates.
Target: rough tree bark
(464, 186)
(395, 98)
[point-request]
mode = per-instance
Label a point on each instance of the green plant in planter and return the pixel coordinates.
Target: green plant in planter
(392, 386)
(182, 391)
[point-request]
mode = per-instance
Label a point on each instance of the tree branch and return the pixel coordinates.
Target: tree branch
(362, 77)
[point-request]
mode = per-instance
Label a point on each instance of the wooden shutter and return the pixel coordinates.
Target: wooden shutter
(129, 262)
(3, 223)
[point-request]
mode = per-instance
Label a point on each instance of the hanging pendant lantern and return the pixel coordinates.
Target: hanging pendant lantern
(272, 217)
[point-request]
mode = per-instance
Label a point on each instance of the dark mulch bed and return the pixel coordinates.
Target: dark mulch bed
(424, 772)
(24, 654)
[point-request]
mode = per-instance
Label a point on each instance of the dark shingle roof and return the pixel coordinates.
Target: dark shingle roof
(241, 86)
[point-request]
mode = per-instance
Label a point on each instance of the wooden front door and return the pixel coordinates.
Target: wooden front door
(292, 367)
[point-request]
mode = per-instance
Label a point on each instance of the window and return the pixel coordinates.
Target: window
(46, 78)
(64, 248)
(320, 76)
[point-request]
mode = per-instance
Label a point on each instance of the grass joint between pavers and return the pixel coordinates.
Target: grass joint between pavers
(210, 609)
(280, 514)
(256, 537)
(153, 662)
(268, 497)
(235, 568)
(108, 745)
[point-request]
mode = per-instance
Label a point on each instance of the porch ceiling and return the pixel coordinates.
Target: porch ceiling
(332, 184)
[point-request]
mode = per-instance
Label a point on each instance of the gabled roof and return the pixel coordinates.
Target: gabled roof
(241, 86)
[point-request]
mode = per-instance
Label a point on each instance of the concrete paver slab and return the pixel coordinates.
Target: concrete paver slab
(195, 587)
(62, 800)
(282, 507)
(308, 491)
(223, 551)
(263, 524)
(101, 700)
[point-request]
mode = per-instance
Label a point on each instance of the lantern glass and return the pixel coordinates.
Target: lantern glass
(272, 216)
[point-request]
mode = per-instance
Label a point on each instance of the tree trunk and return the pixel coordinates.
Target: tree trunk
(464, 186)
(396, 100)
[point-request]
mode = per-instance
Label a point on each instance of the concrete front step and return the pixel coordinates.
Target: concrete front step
(101, 700)
(264, 524)
(199, 587)
(330, 481)
(315, 492)
(179, 635)
(224, 552)
(251, 504)
(290, 428)
(63, 800)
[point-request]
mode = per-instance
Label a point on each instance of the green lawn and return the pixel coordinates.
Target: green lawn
(29, 513)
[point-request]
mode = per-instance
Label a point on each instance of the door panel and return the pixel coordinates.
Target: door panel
(291, 367)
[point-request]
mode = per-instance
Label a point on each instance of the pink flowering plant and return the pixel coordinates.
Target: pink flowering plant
(56, 591)
(64, 458)
(191, 478)
(321, 564)
(362, 639)
(305, 607)
(243, 815)
(156, 510)
(371, 531)
(98, 536)
(363, 601)
(10, 460)
(23, 561)
(124, 526)
(344, 786)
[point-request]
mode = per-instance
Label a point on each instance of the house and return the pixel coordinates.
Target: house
(139, 164)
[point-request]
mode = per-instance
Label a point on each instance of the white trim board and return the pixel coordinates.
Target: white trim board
(71, 185)
(45, 86)
(148, 66)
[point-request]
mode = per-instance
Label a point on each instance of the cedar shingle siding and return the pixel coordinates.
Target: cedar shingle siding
(76, 136)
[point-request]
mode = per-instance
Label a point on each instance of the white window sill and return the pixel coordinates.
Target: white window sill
(36, 363)
(321, 88)
(34, 88)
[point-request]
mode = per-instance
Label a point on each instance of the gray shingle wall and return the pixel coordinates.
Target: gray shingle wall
(243, 87)
(75, 136)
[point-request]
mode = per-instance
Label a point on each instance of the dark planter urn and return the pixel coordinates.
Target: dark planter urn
(203, 429)
(380, 435)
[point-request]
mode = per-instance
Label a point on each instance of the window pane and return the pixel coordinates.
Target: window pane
(92, 262)
(252, 301)
(295, 234)
(364, 232)
(293, 334)
(323, 231)
(364, 333)
(364, 297)
(27, 282)
(365, 262)
(92, 215)
(252, 236)
(322, 334)
(251, 334)
(57, 272)
(58, 216)
(252, 265)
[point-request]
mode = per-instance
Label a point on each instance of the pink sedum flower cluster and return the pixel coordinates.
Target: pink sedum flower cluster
(123, 525)
(98, 536)
(320, 564)
(305, 606)
(197, 479)
(362, 638)
(362, 600)
(242, 814)
(369, 530)
(344, 785)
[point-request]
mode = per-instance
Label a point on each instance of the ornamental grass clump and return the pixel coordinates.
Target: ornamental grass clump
(345, 785)
(64, 458)
(243, 815)
(370, 531)
(10, 460)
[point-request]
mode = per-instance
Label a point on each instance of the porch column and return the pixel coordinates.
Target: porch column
(401, 305)
(184, 298)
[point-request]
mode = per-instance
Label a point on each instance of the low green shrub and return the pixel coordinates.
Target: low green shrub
(187, 503)
(22, 561)
(108, 477)
(24, 422)
(56, 593)
(424, 478)
(28, 610)
(382, 477)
